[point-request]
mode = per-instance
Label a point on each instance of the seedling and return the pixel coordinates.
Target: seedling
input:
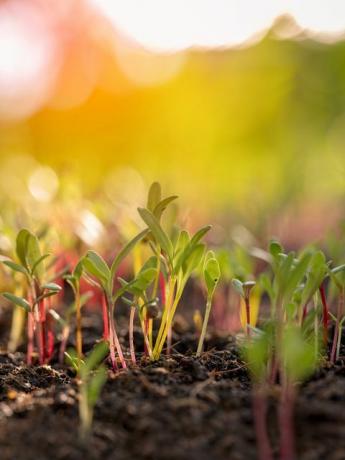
(337, 276)
(95, 268)
(176, 258)
(31, 265)
(244, 290)
(74, 281)
(257, 351)
(92, 376)
(211, 275)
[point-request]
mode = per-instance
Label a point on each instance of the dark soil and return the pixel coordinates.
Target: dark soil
(178, 408)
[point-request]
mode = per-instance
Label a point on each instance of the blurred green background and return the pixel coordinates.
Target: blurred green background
(252, 135)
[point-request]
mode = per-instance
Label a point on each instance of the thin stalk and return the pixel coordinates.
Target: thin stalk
(85, 413)
(247, 303)
(337, 332)
(286, 422)
(260, 420)
(105, 318)
(78, 332)
(63, 344)
(161, 331)
(131, 335)
(114, 340)
(204, 326)
(168, 324)
(30, 332)
(325, 314)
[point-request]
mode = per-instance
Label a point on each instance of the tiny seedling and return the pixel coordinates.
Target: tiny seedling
(31, 265)
(244, 289)
(73, 280)
(92, 376)
(98, 272)
(211, 275)
(177, 258)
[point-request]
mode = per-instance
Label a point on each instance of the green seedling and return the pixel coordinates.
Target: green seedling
(211, 276)
(31, 265)
(177, 259)
(298, 362)
(96, 270)
(243, 289)
(73, 280)
(337, 276)
(91, 376)
(257, 352)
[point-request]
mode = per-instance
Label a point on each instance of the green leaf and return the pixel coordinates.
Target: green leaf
(141, 282)
(96, 384)
(161, 206)
(160, 236)
(96, 266)
(93, 360)
(126, 250)
(183, 256)
(21, 245)
(298, 354)
(296, 275)
(275, 248)
(15, 267)
(238, 286)
(53, 287)
(38, 262)
(194, 259)
(29, 253)
(17, 301)
(200, 234)
(78, 270)
(316, 274)
(211, 274)
(154, 196)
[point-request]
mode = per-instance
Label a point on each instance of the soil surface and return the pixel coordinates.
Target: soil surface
(180, 407)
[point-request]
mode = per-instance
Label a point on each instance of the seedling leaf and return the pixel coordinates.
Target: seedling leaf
(17, 301)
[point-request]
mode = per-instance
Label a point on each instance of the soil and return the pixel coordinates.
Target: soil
(180, 407)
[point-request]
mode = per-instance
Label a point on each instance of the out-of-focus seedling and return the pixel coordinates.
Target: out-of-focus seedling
(177, 258)
(73, 280)
(337, 275)
(92, 375)
(244, 289)
(95, 267)
(32, 267)
(211, 275)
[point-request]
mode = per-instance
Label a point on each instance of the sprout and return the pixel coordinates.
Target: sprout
(31, 266)
(211, 275)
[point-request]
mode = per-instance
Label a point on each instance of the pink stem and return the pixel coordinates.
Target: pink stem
(30, 332)
(246, 300)
(65, 335)
(105, 318)
(131, 335)
(260, 419)
(325, 315)
(286, 423)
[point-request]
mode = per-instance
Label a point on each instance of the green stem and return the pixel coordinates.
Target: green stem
(204, 325)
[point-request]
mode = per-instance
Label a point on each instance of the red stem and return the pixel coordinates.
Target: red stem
(246, 300)
(340, 313)
(260, 420)
(162, 288)
(325, 315)
(105, 318)
(286, 423)
(30, 332)
(131, 335)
